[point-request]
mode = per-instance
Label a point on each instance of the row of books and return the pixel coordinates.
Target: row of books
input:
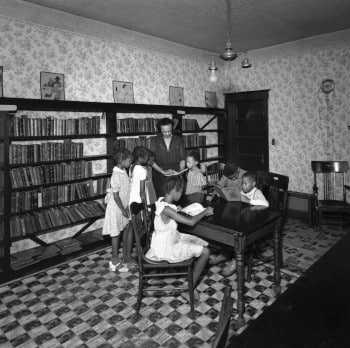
(27, 224)
(203, 153)
(51, 173)
(48, 151)
(194, 140)
(47, 196)
(134, 125)
(189, 124)
(131, 143)
(49, 126)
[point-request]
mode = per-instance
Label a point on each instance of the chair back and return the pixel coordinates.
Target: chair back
(224, 319)
(275, 189)
(214, 172)
(333, 177)
(139, 220)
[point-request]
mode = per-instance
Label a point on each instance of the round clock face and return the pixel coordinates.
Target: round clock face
(327, 86)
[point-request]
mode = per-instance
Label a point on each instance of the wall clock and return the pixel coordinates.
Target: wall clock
(327, 86)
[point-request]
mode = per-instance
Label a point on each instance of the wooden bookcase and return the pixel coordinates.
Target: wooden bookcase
(20, 181)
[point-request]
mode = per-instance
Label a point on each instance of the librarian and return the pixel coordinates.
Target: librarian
(170, 154)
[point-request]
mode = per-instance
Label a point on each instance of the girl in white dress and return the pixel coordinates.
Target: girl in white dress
(117, 212)
(167, 242)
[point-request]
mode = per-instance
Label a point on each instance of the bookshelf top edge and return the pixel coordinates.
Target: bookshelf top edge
(80, 106)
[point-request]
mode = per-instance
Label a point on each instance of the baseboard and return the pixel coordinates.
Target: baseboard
(301, 206)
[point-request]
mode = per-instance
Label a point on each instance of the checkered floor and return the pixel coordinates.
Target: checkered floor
(83, 304)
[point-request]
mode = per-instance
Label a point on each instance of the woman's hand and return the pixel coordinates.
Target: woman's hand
(169, 172)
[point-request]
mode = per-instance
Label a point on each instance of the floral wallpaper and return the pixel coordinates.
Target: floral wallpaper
(306, 123)
(89, 66)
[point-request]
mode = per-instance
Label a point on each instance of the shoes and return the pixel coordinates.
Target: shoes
(131, 263)
(218, 259)
(229, 269)
(120, 267)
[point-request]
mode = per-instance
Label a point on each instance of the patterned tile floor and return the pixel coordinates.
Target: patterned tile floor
(82, 304)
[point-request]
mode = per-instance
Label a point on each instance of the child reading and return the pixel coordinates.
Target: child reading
(150, 191)
(168, 244)
(250, 193)
(117, 212)
(195, 178)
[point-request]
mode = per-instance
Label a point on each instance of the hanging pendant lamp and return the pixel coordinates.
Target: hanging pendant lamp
(228, 55)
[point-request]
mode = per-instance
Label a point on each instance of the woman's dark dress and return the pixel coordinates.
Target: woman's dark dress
(166, 159)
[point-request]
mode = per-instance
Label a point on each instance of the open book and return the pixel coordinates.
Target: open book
(178, 173)
(227, 194)
(193, 209)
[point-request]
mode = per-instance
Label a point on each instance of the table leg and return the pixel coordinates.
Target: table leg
(277, 252)
(239, 250)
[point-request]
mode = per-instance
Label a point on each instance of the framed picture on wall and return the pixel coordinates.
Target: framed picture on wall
(1, 81)
(123, 92)
(210, 100)
(176, 96)
(51, 85)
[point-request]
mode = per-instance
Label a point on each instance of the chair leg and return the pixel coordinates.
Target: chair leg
(191, 289)
(139, 294)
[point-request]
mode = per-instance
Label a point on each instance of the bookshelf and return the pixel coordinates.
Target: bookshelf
(47, 183)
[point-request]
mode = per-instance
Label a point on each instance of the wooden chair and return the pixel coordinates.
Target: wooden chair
(224, 319)
(214, 172)
(275, 189)
(333, 206)
(149, 269)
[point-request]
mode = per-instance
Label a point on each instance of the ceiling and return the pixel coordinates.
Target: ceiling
(202, 23)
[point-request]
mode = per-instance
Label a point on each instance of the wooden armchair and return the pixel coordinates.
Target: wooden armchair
(275, 189)
(149, 269)
(213, 173)
(332, 206)
(224, 319)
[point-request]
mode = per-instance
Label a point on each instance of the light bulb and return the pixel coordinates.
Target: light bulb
(213, 78)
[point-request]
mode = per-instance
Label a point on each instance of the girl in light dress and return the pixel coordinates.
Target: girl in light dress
(117, 210)
(168, 244)
(195, 178)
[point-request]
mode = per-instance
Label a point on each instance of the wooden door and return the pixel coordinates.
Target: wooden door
(247, 140)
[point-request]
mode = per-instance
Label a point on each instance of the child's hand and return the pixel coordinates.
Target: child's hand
(178, 208)
(209, 211)
(125, 213)
(245, 199)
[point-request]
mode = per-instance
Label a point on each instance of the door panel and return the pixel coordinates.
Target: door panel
(247, 126)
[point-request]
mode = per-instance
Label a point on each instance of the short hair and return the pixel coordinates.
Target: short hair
(250, 175)
(195, 155)
(151, 154)
(121, 154)
(173, 182)
(230, 169)
(165, 122)
(140, 152)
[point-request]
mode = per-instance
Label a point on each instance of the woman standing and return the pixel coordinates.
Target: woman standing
(170, 154)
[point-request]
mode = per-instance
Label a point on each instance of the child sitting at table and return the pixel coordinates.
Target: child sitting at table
(168, 244)
(195, 178)
(231, 180)
(250, 193)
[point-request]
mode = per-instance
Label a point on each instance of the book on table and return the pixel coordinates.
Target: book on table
(226, 193)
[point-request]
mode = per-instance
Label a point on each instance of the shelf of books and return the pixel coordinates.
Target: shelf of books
(56, 164)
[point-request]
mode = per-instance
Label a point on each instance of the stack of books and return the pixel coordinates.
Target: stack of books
(68, 245)
(24, 258)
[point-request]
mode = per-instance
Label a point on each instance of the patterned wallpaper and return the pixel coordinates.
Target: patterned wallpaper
(306, 123)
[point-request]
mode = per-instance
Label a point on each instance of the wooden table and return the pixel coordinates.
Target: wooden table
(237, 224)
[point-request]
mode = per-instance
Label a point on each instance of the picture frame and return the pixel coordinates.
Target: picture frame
(210, 99)
(52, 86)
(176, 96)
(123, 92)
(1, 81)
